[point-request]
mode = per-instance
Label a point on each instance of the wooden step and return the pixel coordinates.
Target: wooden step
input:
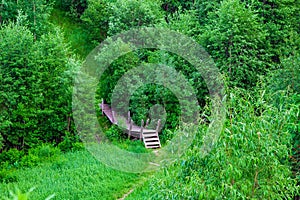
(151, 139)
(150, 135)
(149, 131)
(152, 143)
(156, 147)
(153, 146)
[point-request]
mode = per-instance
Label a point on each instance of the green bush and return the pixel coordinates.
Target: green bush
(114, 133)
(250, 160)
(14, 158)
(29, 160)
(7, 176)
(96, 19)
(45, 151)
(35, 100)
(11, 157)
(73, 8)
(35, 14)
(69, 143)
(127, 14)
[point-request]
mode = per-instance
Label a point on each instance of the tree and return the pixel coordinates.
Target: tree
(280, 18)
(74, 8)
(96, 18)
(37, 12)
(238, 43)
(127, 14)
(35, 93)
(17, 44)
(250, 160)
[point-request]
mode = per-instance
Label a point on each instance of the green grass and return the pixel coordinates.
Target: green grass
(75, 33)
(75, 175)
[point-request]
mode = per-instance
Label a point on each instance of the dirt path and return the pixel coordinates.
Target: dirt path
(126, 195)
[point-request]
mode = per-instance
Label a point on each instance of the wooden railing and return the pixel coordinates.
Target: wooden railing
(149, 136)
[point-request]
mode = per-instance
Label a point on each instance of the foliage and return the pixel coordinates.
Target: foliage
(35, 92)
(280, 19)
(257, 154)
(114, 133)
(250, 159)
(286, 80)
(96, 18)
(75, 175)
(17, 194)
(7, 176)
(173, 7)
(287, 77)
(11, 157)
(75, 34)
(205, 10)
(127, 14)
(17, 159)
(74, 8)
(116, 70)
(237, 42)
(36, 11)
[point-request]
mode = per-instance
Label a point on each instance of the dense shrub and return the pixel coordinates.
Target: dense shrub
(238, 43)
(114, 133)
(127, 14)
(35, 100)
(250, 159)
(73, 8)
(11, 157)
(7, 176)
(96, 19)
(36, 12)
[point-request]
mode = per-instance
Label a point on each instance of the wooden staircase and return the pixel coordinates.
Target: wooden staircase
(151, 139)
(149, 136)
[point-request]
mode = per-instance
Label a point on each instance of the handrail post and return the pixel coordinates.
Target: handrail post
(128, 117)
(147, 122)
(113, 116)
(142, 129)
(102, 103)
(157, 127)
(130, 128)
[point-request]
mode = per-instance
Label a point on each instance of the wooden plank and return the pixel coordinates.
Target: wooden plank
(150, 135)
(152, 143)
(149, 131)
(151, 139)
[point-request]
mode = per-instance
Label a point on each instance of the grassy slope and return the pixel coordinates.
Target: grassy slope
(74, 33)
(73, 176)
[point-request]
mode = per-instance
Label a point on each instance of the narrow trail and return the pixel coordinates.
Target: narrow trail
(127, 194)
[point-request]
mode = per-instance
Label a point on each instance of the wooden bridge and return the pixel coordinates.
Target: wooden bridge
(149, 136)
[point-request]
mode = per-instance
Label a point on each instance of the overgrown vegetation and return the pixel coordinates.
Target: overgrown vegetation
(74, 175)
(255, 44)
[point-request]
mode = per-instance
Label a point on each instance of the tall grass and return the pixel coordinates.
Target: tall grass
(75, 175)
(75, 33)
(249, 161)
